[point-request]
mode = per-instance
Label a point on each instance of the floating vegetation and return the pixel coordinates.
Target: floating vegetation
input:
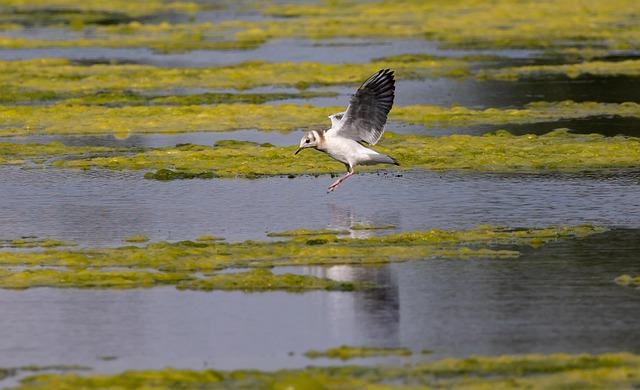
(264, 280)
(184, 263)
(64, 118)
(628, 68)
(34, 242)
(430, 116)
(86, 278)
(61, 76)
(468, 24)
(251, 281)
(628, 280)
(129, 8)
(498, 152)
(129, 98)
(345, 352)
(98, 120)
(168, 174)
(137, 238)
(606, 371)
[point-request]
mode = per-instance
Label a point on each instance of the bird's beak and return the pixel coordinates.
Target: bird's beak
(297, 151)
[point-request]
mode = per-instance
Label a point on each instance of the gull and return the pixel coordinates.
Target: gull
(363, 122)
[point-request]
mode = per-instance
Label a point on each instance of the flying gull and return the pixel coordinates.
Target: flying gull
(363, 122)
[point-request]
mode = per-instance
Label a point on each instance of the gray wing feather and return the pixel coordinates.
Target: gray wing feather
(366, 115)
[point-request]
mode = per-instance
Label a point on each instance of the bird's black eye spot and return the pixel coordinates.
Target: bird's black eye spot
(307, 141)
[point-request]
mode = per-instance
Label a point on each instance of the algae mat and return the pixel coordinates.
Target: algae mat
(195, 265)
(469, 24)
(102, 114)
(558, 151)
(526, 371)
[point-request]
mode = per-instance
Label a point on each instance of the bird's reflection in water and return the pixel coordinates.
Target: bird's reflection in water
(376, 312)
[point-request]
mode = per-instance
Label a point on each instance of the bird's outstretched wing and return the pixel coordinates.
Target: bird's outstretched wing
(366, 115)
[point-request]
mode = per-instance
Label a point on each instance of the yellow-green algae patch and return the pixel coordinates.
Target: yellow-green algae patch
(628, 280)
(555, 371)
(181, 263)
(468, 23)
(87, 278)
(61, 76)
(606, 25)
(80, 119)
(74, 119)
(345, 352)
(610, 25)
(264, 280)
(251, 281)
(34, 242)
(131, 8)
(499, 152)
(137, 238)
(629, 68)
(531, 113)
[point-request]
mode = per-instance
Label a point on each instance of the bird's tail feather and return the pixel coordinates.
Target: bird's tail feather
(384, 159)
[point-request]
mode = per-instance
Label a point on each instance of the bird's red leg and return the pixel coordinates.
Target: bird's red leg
(336, 183)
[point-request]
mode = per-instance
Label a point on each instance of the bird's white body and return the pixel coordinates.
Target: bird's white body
(350, 152)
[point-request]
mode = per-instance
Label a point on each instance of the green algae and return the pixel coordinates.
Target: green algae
(252, 281)
(13, 95)
(499, 24)
(557, 151)
(628, 280)
(628, 68)
(469, 24)
(137, 238)
(168, 174)
(86, 278)
(34, 242)
(129, 98)
(74, 119)
(181, 263)
(264, 280)
(131, 8)
(430, 116)
(61, 76)
(345, 352)
(98, 120)
(606, 371)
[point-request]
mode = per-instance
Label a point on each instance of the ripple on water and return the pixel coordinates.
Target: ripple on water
(99, 207)
(559, 298)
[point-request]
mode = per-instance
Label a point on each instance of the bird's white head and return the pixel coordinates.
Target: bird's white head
(310, 139)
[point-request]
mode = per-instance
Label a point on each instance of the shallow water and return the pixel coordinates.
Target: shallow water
(162, 140)
(473, 93)
(560, 298)
(103, 207)
(287, 50)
